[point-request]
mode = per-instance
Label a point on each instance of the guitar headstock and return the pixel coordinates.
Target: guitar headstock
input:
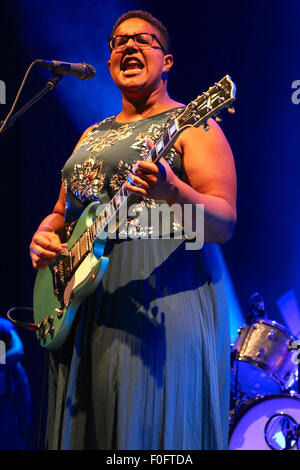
(209, 104)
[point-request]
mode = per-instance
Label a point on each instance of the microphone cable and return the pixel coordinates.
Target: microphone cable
(3, 124)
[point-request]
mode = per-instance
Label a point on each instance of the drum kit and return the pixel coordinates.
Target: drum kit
(265, 399)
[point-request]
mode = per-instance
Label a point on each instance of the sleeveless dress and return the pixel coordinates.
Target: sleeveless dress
(146, 365)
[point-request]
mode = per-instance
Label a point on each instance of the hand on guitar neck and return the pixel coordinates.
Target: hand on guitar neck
(152, 180)
(46, 243)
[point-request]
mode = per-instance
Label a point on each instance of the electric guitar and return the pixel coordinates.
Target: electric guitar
(61, 287)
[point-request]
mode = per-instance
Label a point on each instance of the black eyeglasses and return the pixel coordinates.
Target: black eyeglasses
(142, 40)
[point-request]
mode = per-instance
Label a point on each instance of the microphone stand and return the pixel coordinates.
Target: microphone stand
(51, 85)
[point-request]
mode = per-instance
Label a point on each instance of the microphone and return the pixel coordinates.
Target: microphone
(83, 71)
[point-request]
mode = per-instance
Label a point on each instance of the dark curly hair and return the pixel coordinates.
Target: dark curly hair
(146, 16)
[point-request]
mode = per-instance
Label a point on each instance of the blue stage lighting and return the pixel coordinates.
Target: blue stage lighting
(76, 32)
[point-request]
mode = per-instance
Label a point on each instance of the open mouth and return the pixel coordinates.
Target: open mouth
(131, 63)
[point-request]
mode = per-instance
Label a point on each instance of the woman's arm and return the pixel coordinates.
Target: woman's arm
(46, 243)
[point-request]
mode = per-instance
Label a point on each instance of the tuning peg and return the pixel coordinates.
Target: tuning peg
(218, 118)
(231, 110)
(206, 127)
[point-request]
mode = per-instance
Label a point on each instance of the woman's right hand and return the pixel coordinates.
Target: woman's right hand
(44, 248)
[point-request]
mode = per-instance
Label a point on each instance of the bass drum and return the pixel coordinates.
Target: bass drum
(269, 423)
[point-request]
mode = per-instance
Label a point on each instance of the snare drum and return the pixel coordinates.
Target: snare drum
(268, 423)
(263, 359)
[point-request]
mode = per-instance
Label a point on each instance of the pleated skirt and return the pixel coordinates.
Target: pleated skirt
(146, 365)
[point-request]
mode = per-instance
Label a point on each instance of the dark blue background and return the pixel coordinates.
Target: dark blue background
(255, 42)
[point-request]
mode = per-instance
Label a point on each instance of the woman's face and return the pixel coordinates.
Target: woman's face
(135, 69)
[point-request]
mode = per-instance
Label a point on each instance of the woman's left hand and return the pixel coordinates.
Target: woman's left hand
(152, 180)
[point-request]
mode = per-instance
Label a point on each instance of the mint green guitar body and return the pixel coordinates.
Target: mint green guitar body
(54, 314)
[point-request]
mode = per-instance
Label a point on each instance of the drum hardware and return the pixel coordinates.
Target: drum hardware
(282, 432)
(260, 353)
(267, 423)
(271, 335)
(294, 345)
(291, 346)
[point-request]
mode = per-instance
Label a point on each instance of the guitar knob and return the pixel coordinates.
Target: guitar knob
(45, 333)
(59, 312)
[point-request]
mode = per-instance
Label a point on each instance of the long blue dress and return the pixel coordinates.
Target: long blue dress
(147, 363)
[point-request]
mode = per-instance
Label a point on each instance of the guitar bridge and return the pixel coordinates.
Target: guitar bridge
(61, 273)
(55, 277)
